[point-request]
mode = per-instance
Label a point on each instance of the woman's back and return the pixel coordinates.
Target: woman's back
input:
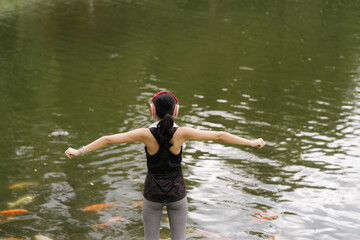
(176, 141)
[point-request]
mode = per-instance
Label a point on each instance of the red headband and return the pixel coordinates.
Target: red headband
(161, 92)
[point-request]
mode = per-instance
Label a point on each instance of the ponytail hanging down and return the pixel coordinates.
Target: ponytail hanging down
(165, 130)
(165, 103)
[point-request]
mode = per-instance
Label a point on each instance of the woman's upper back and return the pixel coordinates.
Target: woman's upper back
(153, 146)
(163, 161)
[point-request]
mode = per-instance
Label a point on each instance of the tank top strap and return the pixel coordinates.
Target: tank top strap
(153, 131)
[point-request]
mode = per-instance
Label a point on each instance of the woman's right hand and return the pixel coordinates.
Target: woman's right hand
(70, 152)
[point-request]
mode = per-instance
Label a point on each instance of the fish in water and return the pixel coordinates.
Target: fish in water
(99, 207)
(21, 185)
(12, 212)
(41, 237)
(12, 238)
(260, 216)
(262, 212)
(264, 218)
(24, 200)
(110, 221)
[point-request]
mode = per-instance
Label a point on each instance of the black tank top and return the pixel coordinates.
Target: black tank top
(164, 180)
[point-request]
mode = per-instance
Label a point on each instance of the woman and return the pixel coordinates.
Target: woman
(164, 183)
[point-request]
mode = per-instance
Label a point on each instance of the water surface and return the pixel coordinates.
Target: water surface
(288, 71)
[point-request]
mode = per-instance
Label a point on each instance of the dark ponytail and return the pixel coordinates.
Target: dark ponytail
(165, 104)
(165, 131)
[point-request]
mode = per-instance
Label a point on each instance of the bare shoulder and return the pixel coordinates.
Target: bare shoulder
(183, 131)
(143, 132)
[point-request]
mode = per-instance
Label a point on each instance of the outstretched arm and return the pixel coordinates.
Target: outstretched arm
(138, 135)
(194, 134)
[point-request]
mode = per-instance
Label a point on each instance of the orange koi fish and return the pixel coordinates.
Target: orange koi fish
(12, 212)
(271, 238)
(99, 207)
(110, 221)
(264, 218)
(210, 234)
(12, 238)
(263, 215)
(260, 213)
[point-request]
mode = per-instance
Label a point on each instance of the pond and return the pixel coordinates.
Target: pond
(287, 71)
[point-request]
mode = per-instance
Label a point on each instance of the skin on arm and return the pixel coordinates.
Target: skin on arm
(181, 135)
(138, 135)
(192, 134)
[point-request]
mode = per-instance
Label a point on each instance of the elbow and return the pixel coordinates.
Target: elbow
(220, 136)
(106, 140)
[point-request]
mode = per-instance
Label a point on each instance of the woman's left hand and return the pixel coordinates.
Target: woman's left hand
(259, 143)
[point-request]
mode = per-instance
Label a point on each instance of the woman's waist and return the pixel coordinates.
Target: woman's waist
(169, 173)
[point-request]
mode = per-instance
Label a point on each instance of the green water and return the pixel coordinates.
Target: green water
(288, 71)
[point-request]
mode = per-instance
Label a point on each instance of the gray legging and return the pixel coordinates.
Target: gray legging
(177, 212)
